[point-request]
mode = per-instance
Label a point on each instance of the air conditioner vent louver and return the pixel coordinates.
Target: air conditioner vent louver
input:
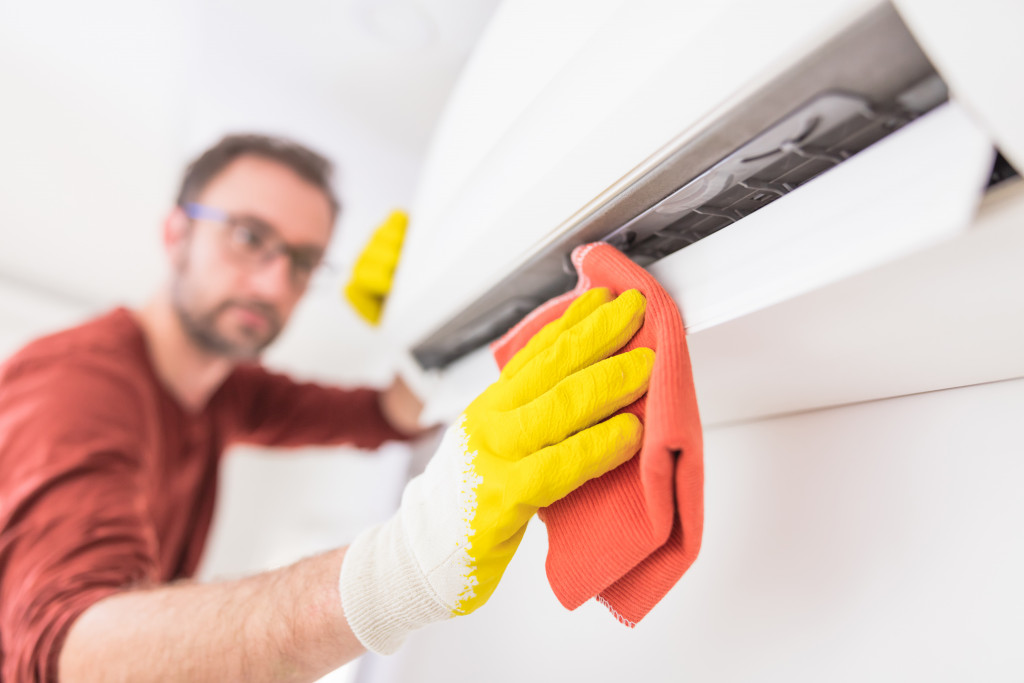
(826, 131)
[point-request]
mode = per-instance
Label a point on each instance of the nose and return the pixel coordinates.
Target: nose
(272, 280)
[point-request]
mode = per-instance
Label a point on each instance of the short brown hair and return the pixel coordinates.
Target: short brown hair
(310, 166)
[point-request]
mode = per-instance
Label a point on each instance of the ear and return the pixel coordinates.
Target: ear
(176, 232)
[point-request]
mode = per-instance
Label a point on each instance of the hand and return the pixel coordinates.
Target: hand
(371, 279)
(402, 408)
(539, 432)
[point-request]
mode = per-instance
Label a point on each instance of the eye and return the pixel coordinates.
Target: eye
(304, 264)
(245, 238)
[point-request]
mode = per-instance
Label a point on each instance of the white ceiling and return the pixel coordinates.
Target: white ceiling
(104, 102)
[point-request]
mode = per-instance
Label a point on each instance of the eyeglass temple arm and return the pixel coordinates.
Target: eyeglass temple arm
(201, 212)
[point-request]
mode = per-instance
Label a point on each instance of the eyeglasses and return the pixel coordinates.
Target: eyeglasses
(254, 243)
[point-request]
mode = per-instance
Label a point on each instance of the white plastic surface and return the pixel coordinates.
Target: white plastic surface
(978, 48)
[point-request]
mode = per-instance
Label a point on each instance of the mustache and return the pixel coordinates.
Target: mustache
(261, 307)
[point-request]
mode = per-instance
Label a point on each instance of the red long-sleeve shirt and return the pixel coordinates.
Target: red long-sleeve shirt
(106, 481)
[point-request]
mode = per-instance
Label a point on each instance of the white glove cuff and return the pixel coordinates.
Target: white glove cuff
(384, 594)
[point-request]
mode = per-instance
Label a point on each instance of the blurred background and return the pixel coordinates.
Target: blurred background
(105, 102)
(862, 435)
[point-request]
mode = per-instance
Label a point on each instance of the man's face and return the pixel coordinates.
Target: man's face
(231, 301)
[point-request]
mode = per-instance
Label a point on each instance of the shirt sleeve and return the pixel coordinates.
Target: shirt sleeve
(271, 409)
(74, 526)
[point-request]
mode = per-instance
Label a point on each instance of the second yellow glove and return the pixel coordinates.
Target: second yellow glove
(374, 271)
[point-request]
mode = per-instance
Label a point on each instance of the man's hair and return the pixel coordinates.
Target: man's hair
(309, 165)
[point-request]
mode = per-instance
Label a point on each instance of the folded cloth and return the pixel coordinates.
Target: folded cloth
(627, 537)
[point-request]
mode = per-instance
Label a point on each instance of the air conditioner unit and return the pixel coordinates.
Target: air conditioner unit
(794, 175)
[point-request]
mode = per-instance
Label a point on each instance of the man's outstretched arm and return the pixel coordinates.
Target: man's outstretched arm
(283, 625)
(547, 426)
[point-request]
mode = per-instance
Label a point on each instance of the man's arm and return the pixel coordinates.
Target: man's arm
(297, 623)
(271, 409)
(402, 408)
(283, 625)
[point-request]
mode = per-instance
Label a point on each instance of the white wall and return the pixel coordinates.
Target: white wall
(877, 541)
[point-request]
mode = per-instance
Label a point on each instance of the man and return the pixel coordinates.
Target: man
(111, 432)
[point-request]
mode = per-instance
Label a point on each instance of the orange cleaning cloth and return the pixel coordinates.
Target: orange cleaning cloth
(627, 537)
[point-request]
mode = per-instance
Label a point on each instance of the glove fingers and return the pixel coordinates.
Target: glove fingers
(388, 240)
(392, 231)
(577, 402)
(600, 334)
(368, 307)
(380, 256)
(584, 305)
(372, 278)
(556, 471)
(375, 268)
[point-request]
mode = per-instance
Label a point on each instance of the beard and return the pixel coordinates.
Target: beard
(203, 328)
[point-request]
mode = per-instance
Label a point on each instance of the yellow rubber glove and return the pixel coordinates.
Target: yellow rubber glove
(535, 435)
(375, 268)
